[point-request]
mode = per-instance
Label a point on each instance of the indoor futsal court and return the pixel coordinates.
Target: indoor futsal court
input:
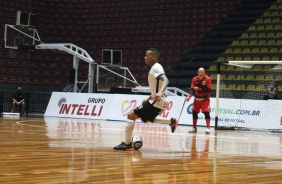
(72, 72)
(62, 150)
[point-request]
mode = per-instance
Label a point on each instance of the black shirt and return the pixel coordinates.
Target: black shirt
(18, 96)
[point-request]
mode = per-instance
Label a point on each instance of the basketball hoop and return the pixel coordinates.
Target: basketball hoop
(13, 53)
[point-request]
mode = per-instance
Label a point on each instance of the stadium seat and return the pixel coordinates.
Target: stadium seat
(270, 35)
(213, 76)
(222, 86)
(229, 59)
(220, 59)
(222, 77)
(259, 78)
(231, 87)
(275, 58)
(253, 35)
(229, 68)
(267, 67)
(237, 51)
(269, 78)
(260, 87)
(256, 58)
(251, 87)
(277, 27)
(230, 77)
(228, 51)
(278, 34)
(252, 28)
(240, 87)
(259, 21)
(264, 50)
(235, 43)
(257, 68)
(240, 77)
(262, 42)
(222, 67)
(261, 35)
(275, 20)
(255, 50)
(245, 35)
(267, 21)
(265, 58)
(274, 13)
(244, 43)
(260, 27)
(279, 42)
(253, 43)
(247, 58)
(249, 77)
(270, 42)
(269, 27)
(278, 78)
(238, 58)
(212, 68)
(273, 50)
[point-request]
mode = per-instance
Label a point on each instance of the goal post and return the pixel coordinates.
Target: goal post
(240, 91)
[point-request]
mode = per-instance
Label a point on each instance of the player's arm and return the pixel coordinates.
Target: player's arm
(163, 87)
(207, 87)
(165, 80)
(191, 90)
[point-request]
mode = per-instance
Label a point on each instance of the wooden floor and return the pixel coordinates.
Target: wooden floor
(51, 151)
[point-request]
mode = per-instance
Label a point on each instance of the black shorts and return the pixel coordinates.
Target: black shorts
(147, 112)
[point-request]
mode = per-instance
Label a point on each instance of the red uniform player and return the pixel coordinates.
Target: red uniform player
(202, 85)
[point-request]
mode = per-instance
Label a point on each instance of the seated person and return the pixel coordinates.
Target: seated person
(18, 100)
(271, 92)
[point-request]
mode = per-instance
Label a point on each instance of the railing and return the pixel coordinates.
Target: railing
(35, 102)
(171, 91)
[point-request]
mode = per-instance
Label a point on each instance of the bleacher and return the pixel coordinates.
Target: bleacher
(188, 33)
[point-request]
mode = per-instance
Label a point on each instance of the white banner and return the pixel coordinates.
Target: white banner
(265, 114)
(104, 106)
(123, 104)
(79, 105)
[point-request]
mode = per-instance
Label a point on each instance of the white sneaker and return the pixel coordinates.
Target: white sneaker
(194, 130)
(207, 131)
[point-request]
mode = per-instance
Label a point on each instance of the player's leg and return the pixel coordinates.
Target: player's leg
(206, 110)
(126, 145)
(195, 111)
(144, 112)
(172, 122)
(22, 105)
(13, 106)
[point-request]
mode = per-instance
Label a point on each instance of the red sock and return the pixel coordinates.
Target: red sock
(208, 123)
(194, 123)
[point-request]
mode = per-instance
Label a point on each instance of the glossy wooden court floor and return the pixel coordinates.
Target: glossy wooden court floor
(52, 150)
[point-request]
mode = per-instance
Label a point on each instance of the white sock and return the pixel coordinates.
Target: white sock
(128, 130)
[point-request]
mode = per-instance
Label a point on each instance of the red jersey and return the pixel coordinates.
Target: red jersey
(204, 86)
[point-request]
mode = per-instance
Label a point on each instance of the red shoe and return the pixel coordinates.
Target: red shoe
(173, 124)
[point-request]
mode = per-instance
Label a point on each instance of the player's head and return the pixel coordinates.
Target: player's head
(272, 83)
(19, 88)
(201, 72)
(152, 55)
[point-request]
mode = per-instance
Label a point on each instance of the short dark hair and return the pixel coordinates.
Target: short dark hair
(155, 51)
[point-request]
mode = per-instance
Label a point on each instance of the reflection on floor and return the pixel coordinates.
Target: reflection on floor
(62, 150)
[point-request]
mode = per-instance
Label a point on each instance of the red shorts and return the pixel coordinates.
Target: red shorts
(203, 105)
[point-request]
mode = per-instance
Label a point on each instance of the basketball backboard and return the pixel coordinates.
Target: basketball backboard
(17, 35)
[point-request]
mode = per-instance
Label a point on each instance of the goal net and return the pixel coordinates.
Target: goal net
(242, 103)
